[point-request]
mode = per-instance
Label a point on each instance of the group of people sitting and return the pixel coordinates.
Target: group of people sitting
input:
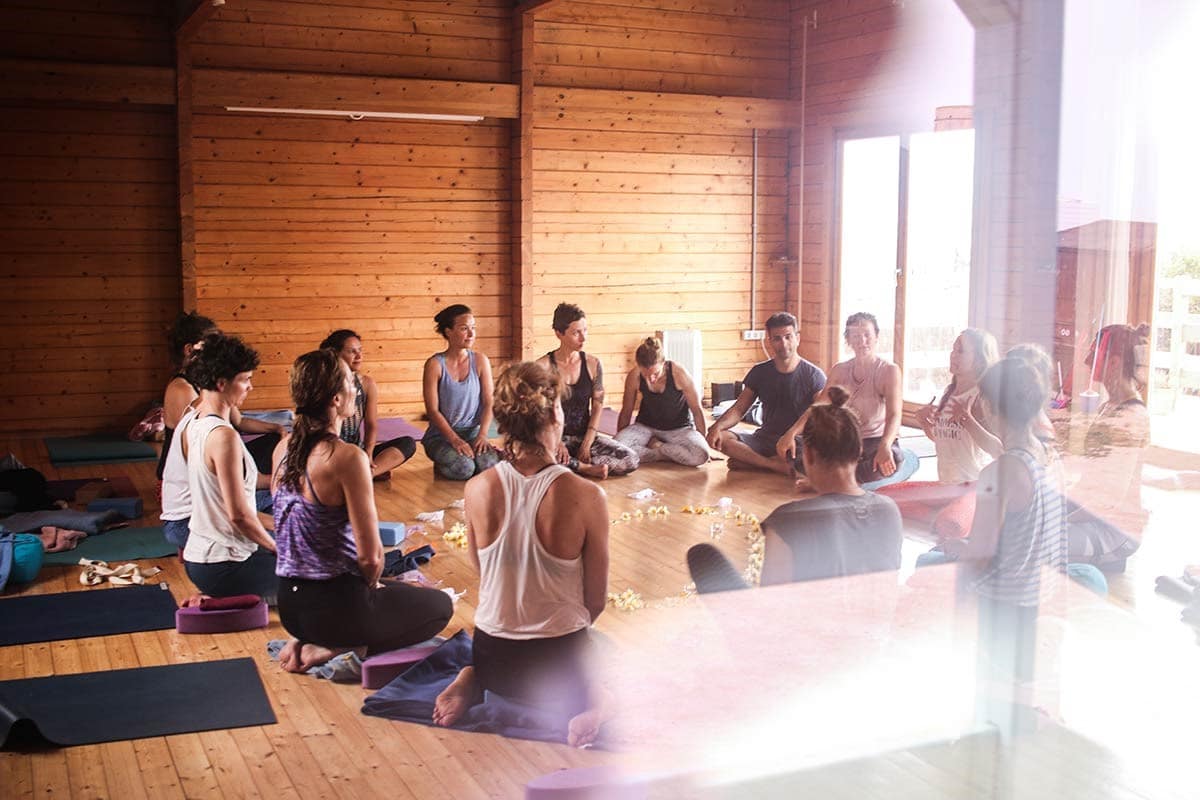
(539, 533)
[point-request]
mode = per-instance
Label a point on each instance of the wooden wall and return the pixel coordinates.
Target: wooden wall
(631, 190)
(89, 254)
(642, 211)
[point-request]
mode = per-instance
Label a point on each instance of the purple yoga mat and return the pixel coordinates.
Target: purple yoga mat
(391, 427)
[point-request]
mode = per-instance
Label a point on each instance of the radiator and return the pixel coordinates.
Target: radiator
(683, 347)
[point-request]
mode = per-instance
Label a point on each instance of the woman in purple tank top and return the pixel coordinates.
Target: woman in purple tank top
(327, 534)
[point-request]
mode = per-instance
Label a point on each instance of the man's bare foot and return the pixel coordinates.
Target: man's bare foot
(455, 699)
(598, 471)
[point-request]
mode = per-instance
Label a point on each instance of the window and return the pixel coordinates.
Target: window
(1162, 378)
(905, 247)
(1166, 300)
(1193, 302)
(1163, 344)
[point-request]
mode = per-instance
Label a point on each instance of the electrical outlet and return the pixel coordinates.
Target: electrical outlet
(754, 336)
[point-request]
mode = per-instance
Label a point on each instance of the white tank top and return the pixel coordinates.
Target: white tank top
(526, 592)
(211, 535)
(176, 496)
(959, 459)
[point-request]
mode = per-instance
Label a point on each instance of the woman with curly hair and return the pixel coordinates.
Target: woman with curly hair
(361, 428)
(330, 556)
(539, 536)
(228, 551)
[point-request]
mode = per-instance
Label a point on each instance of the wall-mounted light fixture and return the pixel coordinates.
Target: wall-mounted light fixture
(357, 115)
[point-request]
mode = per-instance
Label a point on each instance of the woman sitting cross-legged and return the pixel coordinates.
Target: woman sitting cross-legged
(874, 385)
(361, 428)
(844, 530)
(458, 400)
(670, 424)
(228, 551)
(539, 535)
(963, 443)
(330, 553)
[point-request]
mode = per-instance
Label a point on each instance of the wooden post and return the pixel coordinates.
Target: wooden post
(522, 190)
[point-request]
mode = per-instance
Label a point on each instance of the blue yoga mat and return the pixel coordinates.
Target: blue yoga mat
(97, 450)
(409, 698)
(93, 612)
(120, 704)
(908, 467)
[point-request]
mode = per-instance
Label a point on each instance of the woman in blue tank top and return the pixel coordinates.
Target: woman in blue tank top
(458, 400)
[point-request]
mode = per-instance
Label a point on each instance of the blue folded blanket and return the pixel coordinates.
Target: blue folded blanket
(410, 697)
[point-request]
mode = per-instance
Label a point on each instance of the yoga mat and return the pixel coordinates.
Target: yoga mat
(391, 427)
(120, 704)
(121, 544)
(409, 698)
(94, 612)
(97, 450)
(908, 467)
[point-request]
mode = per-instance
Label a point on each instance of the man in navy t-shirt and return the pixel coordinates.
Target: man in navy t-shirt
(787, 386)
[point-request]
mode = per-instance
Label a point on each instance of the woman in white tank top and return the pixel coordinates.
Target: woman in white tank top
(539, 535)
(961, 442)
(228, 551)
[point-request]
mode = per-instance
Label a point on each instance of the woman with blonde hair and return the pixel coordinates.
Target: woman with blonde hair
(539, 536)
(670, 423)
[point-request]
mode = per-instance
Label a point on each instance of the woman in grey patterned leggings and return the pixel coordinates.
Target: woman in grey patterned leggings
(670, 424)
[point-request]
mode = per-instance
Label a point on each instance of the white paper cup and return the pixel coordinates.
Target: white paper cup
(1089, 401)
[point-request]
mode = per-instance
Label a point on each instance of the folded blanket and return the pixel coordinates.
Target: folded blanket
(90, 522)
(410, 698)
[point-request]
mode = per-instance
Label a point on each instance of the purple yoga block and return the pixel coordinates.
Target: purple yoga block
(225, 620)
(378, 671)
(392, 533)
(585, 783)
(130, 507)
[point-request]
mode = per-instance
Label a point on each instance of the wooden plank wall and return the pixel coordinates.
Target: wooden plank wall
(304, 225)
(640, 216)
(874, 67)
(88, 223)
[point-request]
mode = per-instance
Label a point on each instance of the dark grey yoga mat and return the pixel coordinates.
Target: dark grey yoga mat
(92, 612)
(120, 704)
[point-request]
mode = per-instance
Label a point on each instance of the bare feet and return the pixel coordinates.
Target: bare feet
(301, 657)
(597, 471)
(455, 699)
(584, 727)
(289, 656)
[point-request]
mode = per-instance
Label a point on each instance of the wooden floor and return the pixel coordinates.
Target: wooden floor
(323, 747)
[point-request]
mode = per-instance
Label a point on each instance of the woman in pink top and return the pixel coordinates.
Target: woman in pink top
(539, 536)
(874, 385)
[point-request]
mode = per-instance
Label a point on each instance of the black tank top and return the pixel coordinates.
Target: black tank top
(663, 411)
(577, 407)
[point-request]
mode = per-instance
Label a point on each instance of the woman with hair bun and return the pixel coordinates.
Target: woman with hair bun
(670, 424)
(330, 554)
(362, 427)
(844, 530)
(458, 400)
(228, 551)
(539, 536)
